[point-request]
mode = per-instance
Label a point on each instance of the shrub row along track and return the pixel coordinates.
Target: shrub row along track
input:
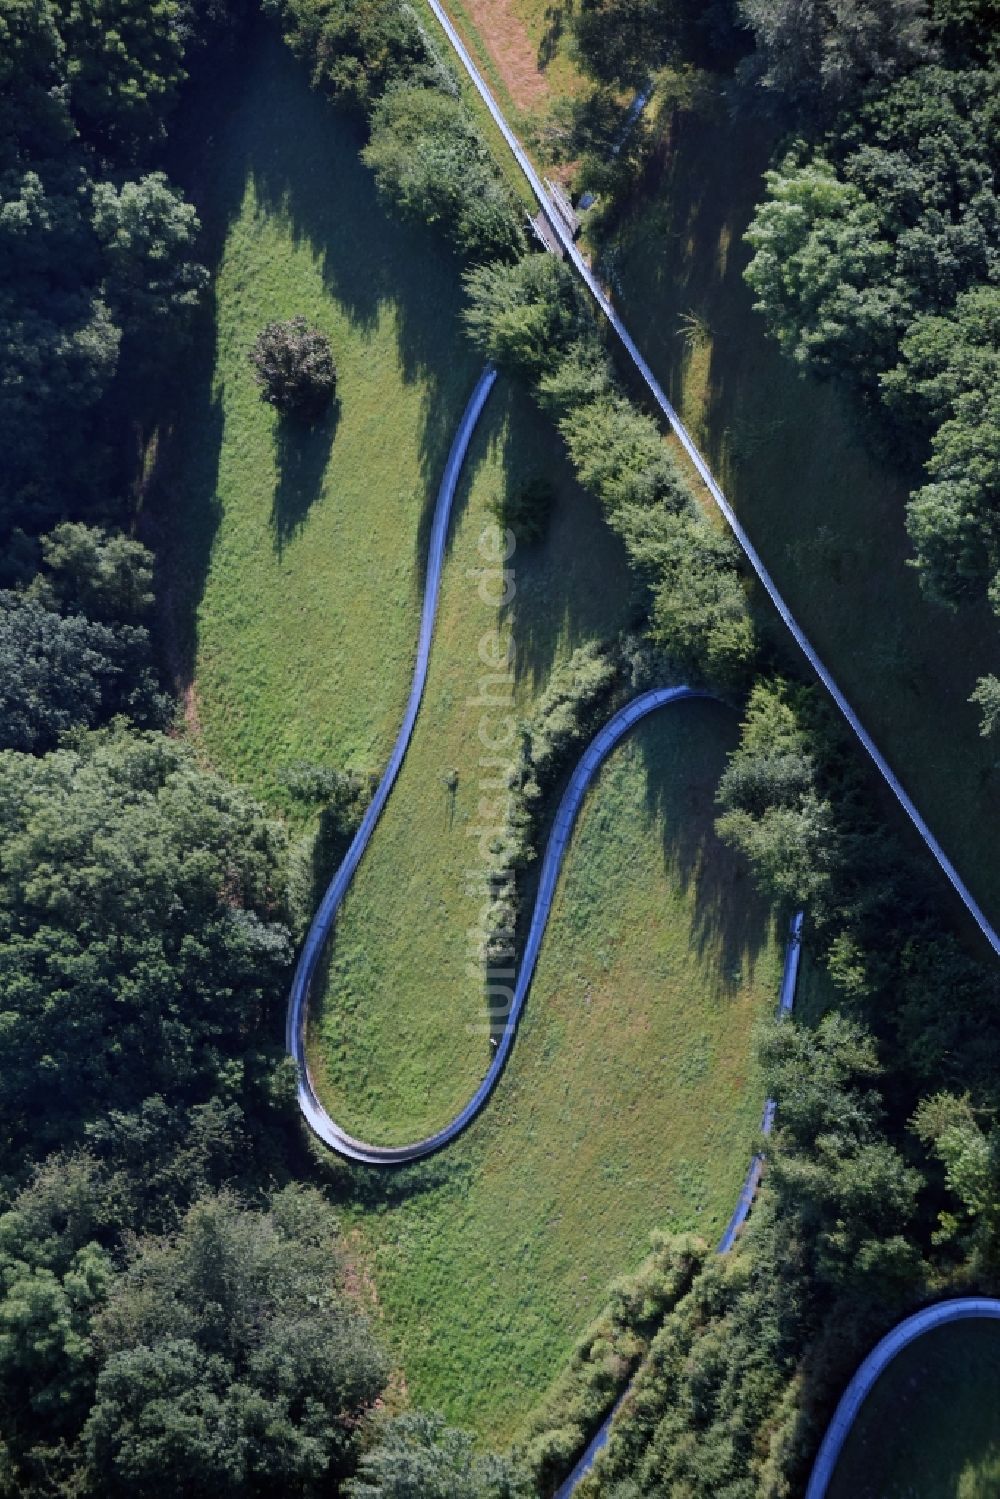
(687, 442)
(741, 1212)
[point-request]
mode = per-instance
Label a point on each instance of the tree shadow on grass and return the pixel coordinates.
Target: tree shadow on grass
(684, 752)
(181, 512)
(303, 452)
(252, 121)
(555, 25)
(807, 468)
(448, 1174)
(375, 264)
(571, 584)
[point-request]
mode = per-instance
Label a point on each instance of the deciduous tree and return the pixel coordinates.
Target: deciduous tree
(293, 365)
(233, 1361)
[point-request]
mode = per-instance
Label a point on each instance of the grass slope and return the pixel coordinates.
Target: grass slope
(295, 575)
(825, 514)
(931, 1426)
(629, 1102)
(400, 1040)
(296, 561)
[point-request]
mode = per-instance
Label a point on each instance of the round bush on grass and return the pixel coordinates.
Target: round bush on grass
(293, 365)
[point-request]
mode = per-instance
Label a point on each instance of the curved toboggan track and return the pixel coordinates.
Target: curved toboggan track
(325, 1127)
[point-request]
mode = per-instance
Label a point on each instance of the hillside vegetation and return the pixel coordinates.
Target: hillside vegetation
(193, 1294)
(631, 1100)
(303, 638)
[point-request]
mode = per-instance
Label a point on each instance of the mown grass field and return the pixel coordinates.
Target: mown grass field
(296, 561)
(295, 571)
(629, 1102)
(400, 1038)
(824, 510)
(931, 1427)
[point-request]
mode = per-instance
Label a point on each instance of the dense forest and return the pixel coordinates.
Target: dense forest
(176, 1312)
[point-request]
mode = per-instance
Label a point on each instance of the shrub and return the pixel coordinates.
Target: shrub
(524, 315)
(530, 318)
(604, 1357)
(293, 365)
(430, 161)
(565, 714)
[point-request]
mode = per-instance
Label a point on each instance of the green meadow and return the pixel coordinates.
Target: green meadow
(629, 1102)
(296, 559)
(294, 564)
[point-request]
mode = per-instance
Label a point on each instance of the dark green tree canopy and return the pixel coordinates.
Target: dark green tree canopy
(355, 49)
(142, 949)
(232, 1361)
(74, 650)
(105, 575)
(124, 63)
(875, 260)
(524, 315)
(61, 672)
(96, 258)
(821, 53)
(293, 365)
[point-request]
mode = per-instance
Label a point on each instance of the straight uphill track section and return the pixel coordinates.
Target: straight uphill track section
(600, 296)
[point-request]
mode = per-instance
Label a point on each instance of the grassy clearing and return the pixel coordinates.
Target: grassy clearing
(398, 1041)
(295, 563)
(295, 574)
(931, 1426)
(629, 1102)
(826, 515)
